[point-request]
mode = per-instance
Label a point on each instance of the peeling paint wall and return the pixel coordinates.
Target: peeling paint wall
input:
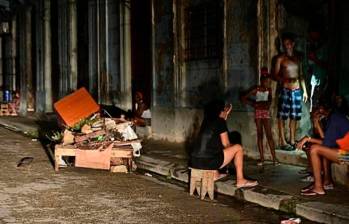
(242, 67)
(163, 92)
(344, 55)
(106, 65)
(202, 79)
(242, 45)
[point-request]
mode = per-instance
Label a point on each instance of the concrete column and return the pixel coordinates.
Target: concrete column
(47, 56)
(7, 68)
(1, 71)
(273, 28)
(21, 62)
(260, 31)
(225, 47)
(92, 45)
(267, 18)
(14, 51)
(28, 59)
(73, 44)
(125, 56)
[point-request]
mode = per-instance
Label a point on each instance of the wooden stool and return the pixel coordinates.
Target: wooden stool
(203, 182)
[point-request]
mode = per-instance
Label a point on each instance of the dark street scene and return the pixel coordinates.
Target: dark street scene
(174, 111)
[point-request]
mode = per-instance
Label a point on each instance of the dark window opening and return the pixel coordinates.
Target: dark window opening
(204, 29)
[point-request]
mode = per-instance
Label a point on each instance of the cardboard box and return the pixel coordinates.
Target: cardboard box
(75, 107)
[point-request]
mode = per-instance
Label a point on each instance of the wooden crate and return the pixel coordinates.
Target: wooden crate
(4, 109)
(117, 152)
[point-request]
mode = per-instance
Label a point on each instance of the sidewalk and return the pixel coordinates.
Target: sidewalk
(279, 186)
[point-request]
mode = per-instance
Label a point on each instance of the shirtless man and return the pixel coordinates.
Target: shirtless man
(288, 72)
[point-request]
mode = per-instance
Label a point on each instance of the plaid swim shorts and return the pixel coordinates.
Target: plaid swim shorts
(262, 114)
(290, 104)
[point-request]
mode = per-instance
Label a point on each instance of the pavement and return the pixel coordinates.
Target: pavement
(279, 186)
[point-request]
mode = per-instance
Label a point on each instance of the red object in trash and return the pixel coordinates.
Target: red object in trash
(97, 159)
(76, 106)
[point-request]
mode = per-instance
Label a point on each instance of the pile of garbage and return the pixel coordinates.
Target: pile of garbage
(96, 132)
(84, 128)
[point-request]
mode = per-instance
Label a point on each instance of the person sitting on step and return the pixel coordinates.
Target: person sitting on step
(322, 152)
(212, 149)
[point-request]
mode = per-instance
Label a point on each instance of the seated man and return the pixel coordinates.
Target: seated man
(326, 149)
(213, 149)
(141, 110)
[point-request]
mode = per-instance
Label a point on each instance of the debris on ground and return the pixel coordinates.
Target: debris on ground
(25, 161)
(291, 221)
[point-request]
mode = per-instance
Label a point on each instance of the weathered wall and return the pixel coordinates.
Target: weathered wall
(109, 76)
(205, 78)
(242, 64)
(163, 92)
(344, 50)
(202, 78)
(242, 45)
(163, 113)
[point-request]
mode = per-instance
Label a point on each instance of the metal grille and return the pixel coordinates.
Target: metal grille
(204, 31)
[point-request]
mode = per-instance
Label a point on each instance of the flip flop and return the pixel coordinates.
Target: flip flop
(260, 163)
(328, 187)
(304, 171)
(286, 147)
(276, 163)
(307, 188)
(312, 193)
(220, 176)
(249, 183)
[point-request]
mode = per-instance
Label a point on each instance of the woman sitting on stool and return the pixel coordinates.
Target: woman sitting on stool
(213, 150)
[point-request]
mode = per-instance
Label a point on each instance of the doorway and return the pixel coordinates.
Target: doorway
(141, 49)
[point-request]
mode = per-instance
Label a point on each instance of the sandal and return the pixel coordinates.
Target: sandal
(260, 163)
(304, 171)
(312, 193)
(308, 178)
(276, 163)
(248, 183)
(307, 188)
(328, 186)
(286, 147)
(220, 176)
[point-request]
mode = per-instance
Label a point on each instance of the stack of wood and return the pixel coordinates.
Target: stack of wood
(4, 109)
(98, 136)
(99, 133)
(8, 109)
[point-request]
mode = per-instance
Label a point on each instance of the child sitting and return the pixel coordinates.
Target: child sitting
(262, 102)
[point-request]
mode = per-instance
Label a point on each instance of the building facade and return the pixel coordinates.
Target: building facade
(179, 53)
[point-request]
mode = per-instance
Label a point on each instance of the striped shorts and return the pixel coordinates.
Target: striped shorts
(290, 104)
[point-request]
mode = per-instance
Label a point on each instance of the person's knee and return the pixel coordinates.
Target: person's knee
(239, 148)
(314, 150)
